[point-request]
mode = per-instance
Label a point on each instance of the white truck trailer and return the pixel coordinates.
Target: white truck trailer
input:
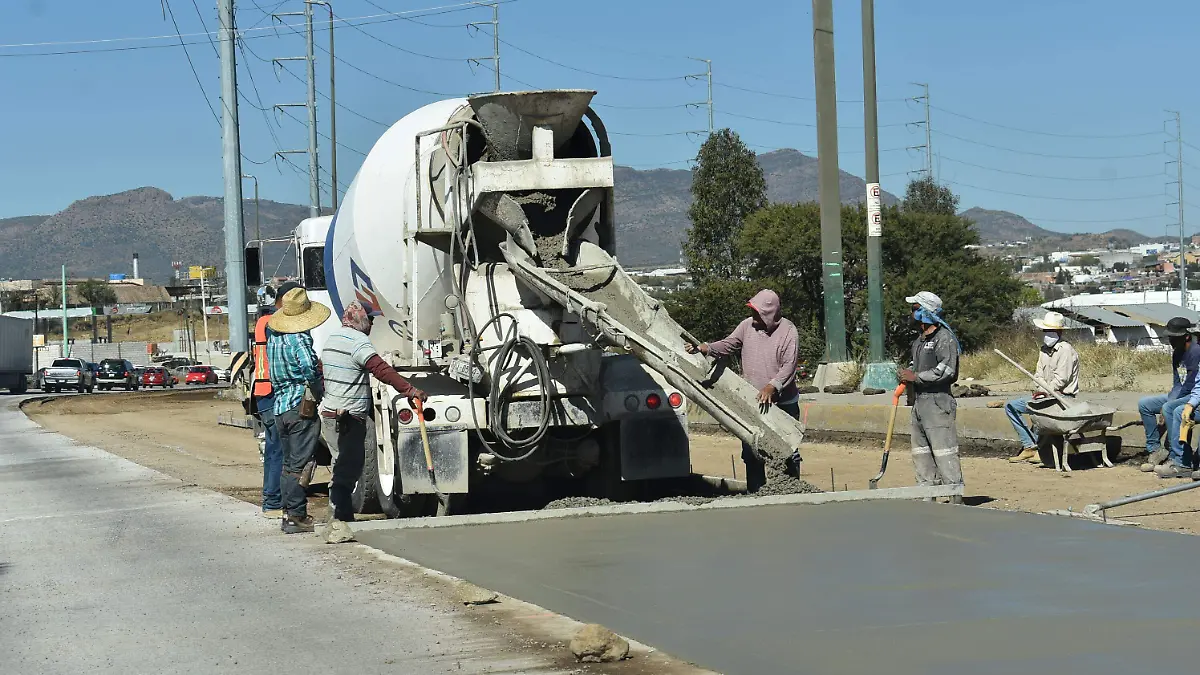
(16, 353)
(482, 230)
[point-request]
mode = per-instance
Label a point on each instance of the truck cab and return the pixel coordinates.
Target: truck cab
(310, 236)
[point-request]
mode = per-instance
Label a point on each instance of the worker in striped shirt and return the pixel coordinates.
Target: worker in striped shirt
(346, 423)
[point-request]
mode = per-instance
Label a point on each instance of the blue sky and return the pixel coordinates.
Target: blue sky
(1093, 78)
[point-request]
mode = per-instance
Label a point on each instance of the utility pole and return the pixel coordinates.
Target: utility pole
(495, 24)
(827, 158)
(1183, 289)
(257, 231)
(880, 375)
(204, 314)
(332, 105)
(707, 75)
(235, 234)
(928, 147)
(66, 348)
(314, 176)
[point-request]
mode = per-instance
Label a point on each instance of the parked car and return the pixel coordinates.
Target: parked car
(201, 375)
(222, 374)
(70, 373)
(117, 373)
(159, 377)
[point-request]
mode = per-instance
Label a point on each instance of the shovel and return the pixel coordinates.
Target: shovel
(887, 443)
(425, 442)
(1036, 380)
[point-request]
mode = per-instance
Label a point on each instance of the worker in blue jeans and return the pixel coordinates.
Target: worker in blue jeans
(1185, 364)
(272, 500)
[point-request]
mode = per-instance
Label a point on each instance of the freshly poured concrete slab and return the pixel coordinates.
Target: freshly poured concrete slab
(863, 587)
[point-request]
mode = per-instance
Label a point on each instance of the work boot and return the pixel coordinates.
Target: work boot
(294, 525)
(272, 514)
(1026, 455)
(338, 532)
(1172, 470)
(1157, 457)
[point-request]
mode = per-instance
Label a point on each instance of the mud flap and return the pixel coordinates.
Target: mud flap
(654, 446)
(449, 450)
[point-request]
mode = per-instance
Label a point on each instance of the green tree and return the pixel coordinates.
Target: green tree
(925, 195)
(1087, 260)
(96, 293)
(727, 186)
(1030, 296)
(921, 251)
(1062, 278)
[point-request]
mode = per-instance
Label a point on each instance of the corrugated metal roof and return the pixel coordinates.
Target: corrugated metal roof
(1029, 314)
(1103, 316)
(1154, 313)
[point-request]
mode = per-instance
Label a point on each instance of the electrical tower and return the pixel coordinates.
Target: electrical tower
(314, 176)
(707, 75)
(928, 146)
(495, 24)
(1178, 182)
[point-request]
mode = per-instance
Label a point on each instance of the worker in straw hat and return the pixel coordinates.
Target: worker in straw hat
(934, 369)
(295, 370)
(1176, 406)
(1057, 366)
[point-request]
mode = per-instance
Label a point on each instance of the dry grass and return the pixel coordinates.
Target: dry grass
(1105, 367)
(157, 327)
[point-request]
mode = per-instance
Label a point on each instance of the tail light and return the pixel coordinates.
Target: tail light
(405, 416)
(675, 400)
(78, 373)
(653, 401)
(125, 374)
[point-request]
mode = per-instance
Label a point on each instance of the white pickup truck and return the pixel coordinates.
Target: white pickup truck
(74, 374)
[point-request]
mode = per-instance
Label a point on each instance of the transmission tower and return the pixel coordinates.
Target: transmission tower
(495, 24)
(928, 146)
(1178, 182)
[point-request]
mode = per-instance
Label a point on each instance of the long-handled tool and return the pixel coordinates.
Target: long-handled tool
(1037, 380)
(1098, 512)
(425, 443)
(887, 443)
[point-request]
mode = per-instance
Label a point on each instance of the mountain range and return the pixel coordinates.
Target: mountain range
(97, 236)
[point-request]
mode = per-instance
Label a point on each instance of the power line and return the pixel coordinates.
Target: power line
(1055, 198)
(352, 111)
(363, 21)
(1103, 221)
(323, 135)
(801, 124)
(610, 106)
(1042, 154)
(656, 135)
(1044, 176)
(398, 47)
(195, 73)
(592, 72)
(798, 98)
(1043, 133)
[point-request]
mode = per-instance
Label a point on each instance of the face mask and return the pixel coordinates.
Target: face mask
(1050, 339)
(924, 316)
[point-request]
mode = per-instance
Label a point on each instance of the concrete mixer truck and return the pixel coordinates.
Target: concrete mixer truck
(481, 230)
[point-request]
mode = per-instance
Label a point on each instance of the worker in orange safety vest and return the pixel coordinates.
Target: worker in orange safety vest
(264, 399)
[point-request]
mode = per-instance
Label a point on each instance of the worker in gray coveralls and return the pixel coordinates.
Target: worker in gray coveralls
(934, 369)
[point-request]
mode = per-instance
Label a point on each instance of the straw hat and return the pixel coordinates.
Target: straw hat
(1052, 321)
(298, 314)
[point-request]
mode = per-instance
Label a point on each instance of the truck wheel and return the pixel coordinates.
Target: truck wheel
(20, 388)
(374, 492)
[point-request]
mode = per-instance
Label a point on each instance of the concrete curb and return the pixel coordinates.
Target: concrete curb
(663, 507)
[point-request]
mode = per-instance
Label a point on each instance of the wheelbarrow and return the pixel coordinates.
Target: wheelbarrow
(1067, 427)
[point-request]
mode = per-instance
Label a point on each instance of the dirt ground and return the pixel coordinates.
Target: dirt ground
(177, 434)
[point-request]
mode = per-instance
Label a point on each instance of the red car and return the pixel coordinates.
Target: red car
(201, 375)
(158, 377)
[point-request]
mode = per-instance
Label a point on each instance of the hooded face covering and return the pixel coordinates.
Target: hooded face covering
(355, 317)
(1050, 338)
(766, 304)
(1178, 343)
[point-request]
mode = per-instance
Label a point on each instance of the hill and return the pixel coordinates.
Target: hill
(98, 235)
(652, 205)
(999, 226)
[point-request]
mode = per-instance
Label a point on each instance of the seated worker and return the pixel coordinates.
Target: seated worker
(1185, 363)
(1057, 366)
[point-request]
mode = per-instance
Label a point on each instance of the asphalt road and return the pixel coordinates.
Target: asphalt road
(862, 587)
(109, 567)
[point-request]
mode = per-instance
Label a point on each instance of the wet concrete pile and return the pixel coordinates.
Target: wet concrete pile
(778, 483)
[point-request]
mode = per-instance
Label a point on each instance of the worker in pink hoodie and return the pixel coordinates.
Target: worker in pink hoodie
(768, 346)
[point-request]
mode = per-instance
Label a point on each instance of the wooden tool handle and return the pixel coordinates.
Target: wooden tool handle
(424, 434)
(1037, 380)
